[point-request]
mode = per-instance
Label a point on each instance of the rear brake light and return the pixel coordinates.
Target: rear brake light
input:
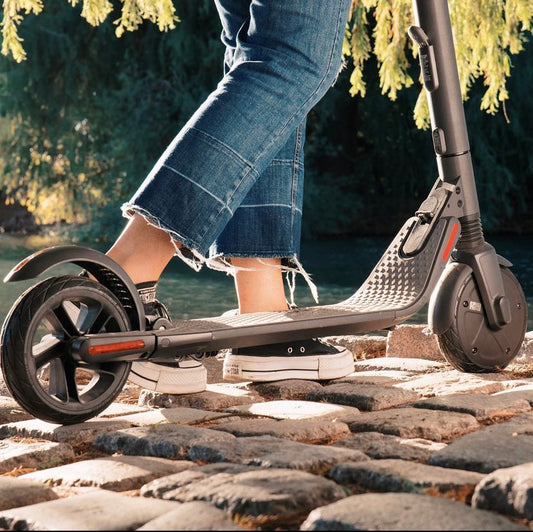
(116, 347)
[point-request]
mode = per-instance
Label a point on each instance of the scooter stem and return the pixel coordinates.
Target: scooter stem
(443, 90)
(433, 34)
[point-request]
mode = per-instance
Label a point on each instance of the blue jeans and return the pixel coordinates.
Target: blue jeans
(231, 182)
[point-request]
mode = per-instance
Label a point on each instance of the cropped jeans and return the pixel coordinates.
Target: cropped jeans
(230, 184)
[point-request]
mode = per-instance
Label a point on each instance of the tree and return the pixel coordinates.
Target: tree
(83, 121)
(487, 33)
(85, 116)
(133, 14)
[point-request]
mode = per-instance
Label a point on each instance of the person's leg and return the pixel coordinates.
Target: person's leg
(286, 57)
(142, 250)
(259, 285)
(258, 282)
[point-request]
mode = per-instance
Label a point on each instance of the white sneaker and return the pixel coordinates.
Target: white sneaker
(186, 376)
(309, 359)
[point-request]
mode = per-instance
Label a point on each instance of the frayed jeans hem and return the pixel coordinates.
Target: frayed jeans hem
(188, 251)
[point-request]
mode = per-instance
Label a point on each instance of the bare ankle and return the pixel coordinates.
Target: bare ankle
(259, 285)
(142, 250)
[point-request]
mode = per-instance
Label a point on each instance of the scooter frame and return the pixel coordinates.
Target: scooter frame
(414, 270)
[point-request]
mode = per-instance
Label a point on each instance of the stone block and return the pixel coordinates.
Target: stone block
(403, 511)
(271, 498)
(16, 492)
(412, 341)
(410, 422)
(290, 389)
(364, 396)
(409, 365)
(122, 409)
(525, 355)
(494, 447)
(453, 381)
(482, 407)
(302, 430)
(97, 510)
(36, 454)
(179, 415)
(73, 434)
(380, 377)
(270, 452)
(520, 392)
(401, 475)
(165, 441)
(115, 473)
(297, 410)
(363, 346)
(508, 491)
(11, 411)
(196, 515)
(216, 397)
(380, 446)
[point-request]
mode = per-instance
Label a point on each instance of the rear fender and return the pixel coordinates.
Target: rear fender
(104, 269)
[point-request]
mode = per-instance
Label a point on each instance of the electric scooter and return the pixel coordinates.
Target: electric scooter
(68, 342)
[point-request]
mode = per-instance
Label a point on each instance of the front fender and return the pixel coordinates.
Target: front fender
(104, 269)
(441, 309)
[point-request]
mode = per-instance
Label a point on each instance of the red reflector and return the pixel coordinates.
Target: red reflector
(116, 347)
(449, 245)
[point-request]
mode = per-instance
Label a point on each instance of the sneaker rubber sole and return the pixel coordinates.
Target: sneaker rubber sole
(189, 377)
(310, 367)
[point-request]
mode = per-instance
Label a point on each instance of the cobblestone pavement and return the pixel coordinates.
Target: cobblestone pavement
(405, 443)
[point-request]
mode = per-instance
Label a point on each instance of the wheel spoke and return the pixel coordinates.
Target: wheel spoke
(59, 321)
(58, 382)
(99, 324)
(102, 380)
(72, 387)
(49, 348)
(63, 381)
(88, 317)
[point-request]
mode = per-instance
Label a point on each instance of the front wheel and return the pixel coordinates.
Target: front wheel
(470, 345)
(36, 358)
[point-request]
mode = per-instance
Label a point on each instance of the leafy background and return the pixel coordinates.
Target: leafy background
(85, 115)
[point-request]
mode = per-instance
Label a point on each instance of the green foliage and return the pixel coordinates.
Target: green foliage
(487, 33)
(11, 41)
(502, 151)
(133, 14)
(89, 119)
(85, 117)
(365, 158)
(368, 167)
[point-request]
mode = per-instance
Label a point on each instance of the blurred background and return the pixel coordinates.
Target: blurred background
(86, 115)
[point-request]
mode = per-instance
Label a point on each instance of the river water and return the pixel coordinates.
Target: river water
(338, 267)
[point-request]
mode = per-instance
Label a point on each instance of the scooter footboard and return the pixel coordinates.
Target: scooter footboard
(396, 289)
(405, 283)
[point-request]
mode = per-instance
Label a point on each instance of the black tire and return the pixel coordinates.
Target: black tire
(37, 364)
(470, 345)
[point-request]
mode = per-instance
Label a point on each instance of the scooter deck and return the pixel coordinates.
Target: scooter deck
(396, 289)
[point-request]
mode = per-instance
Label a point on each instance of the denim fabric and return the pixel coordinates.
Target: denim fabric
(231, 182)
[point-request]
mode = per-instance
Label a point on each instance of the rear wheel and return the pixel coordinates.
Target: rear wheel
(470, 345)
(35, 346)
